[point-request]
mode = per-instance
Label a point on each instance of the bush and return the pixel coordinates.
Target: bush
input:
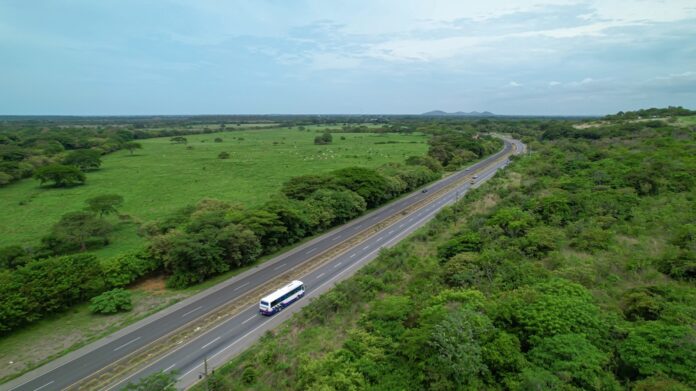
(324, 139)
(47, 286)
(124, 269)
(654, 348)
(77, 231)
(223, 155)
(111, 302)
(60, 175)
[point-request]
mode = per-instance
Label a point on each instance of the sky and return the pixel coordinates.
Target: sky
(144, 57)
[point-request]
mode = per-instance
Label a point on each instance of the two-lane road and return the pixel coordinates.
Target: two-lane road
(240, 330)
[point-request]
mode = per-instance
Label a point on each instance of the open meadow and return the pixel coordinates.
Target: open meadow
(163, 176)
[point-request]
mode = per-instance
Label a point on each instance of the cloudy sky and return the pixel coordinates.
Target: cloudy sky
(90, 57)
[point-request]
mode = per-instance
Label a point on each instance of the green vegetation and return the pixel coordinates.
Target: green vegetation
(573, 269)
(111, 302)
(324, 139)
(60, 175)
(198, 242)
(170, 177)
(159, 381)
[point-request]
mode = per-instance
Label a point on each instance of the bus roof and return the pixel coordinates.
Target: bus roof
(280, 292)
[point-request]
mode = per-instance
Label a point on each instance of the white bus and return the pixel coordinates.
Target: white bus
(281, 298)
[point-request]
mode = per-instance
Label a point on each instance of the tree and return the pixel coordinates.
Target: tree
(218, 139)
(47, 286)
(104, 204)
(468, 241)
(223, 155)
(84, 159)
(573, 358)
(12, 257)
(368, 183)
(60, 175)
(427, 161)
(553, 307)
(190, 258)
(456, 361)
(303, 186)
(77, 231)
(178, 140)
(240, 245)
(111, 302)
(654, 348)
(132, 146)
(324, 139)
(125, 268)
(512, 220)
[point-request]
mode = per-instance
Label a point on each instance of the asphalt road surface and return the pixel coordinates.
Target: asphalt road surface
(238, 332)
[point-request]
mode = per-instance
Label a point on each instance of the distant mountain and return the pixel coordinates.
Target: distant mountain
(440, 113)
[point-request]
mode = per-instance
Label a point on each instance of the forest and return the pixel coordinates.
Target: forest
(572, 269)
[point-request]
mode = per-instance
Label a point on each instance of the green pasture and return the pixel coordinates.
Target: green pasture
(687, 120)
(163, 177)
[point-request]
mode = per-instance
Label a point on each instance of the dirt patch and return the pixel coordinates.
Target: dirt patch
(156, 285)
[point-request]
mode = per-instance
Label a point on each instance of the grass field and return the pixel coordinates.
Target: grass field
(688, 120)
(163, 177)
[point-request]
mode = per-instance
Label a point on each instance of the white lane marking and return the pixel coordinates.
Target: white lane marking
(192, 311)
(335, 238)
(390, 232)
(357, 226)
(279, 266)
(320, 276)
(126, 344)
(45, 385)
(411, 219)
(366, 247)
(169, 367)
(401, 225)
(352, 255)
(311, 250)
(240, 287)
(379, 239)
(210, 343)
(337, 265)
(246, 321)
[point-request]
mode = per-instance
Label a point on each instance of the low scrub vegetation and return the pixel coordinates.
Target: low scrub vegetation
(572, 270)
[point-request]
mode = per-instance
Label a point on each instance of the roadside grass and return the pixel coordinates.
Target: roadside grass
(59, 334)
(163, 177)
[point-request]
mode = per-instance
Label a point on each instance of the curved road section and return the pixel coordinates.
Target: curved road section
(89, 367)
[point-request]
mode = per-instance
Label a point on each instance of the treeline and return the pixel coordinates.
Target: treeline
(574, 271)
(63, 155)
(24, 151)
(216, 236)
(671, 111)
(199, 241)
(45, 286)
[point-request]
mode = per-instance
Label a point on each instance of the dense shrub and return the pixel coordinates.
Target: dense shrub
(111, 302)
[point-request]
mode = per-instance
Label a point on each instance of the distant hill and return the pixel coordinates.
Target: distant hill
(440, 113)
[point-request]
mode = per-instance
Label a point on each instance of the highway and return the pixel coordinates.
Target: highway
(381, 228)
